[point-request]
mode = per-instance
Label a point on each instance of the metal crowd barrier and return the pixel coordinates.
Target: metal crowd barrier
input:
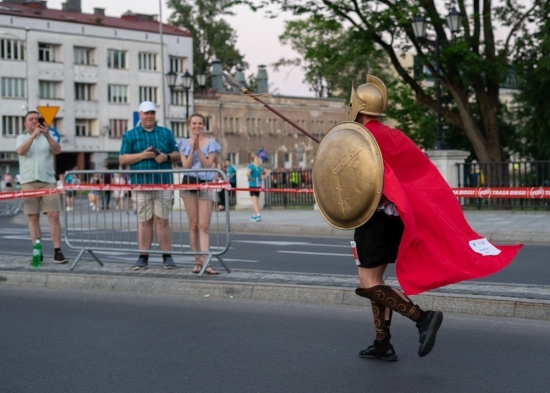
(13, 206)
(101, 213)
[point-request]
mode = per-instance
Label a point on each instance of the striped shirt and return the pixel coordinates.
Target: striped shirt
(137, 140)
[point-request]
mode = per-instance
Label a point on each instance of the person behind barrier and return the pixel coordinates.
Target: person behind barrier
(95, 194)
(232, 178)
(106, 195)
(71, 178)
(8, 181)
(37, 150)
(199, 152)
(418, 224)
(120, 195)
(220, 193)
(151, 147)
(255, 174)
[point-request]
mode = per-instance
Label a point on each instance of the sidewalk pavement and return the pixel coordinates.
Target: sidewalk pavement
(506, 300)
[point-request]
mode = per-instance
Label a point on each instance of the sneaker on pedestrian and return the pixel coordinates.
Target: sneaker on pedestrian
(254, 218)
(428, 325)
(59, 258)
(169, 263)
(258, 218)
(379, 350)
(141, 263)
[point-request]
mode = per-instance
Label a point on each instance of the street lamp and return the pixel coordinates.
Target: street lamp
(419, 23)
(201, 79)
(186, 83)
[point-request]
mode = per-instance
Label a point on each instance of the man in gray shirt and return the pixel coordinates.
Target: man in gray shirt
(36, 149)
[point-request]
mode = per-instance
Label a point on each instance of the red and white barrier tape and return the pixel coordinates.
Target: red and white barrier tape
(480, 193)
(503, 192)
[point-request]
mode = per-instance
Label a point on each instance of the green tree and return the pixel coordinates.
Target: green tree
(532, 66)
(331, 56)
(213, 37)
(472, 66)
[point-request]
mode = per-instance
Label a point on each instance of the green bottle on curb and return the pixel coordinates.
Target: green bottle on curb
(37, 253)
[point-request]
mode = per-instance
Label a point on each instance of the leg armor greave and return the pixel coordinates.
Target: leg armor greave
(389, 297)
(382, 319)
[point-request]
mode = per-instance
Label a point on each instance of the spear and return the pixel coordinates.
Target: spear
(244, 91)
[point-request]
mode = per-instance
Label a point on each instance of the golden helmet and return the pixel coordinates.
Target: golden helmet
(370, 98)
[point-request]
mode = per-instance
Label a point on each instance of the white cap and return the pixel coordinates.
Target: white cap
(147, 106)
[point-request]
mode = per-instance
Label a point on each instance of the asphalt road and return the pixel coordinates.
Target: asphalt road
(283, 254)
(78, 341)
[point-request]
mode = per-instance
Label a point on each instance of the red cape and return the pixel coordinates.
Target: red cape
(434, 250)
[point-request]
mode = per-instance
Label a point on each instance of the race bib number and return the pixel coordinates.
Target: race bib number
(484, 247)
(355, 254)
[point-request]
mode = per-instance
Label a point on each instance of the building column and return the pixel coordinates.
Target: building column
(447, 162)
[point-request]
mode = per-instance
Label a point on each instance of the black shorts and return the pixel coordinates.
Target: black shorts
(254, 193)
(378, 240)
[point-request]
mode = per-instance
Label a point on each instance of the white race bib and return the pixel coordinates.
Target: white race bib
(484, 247)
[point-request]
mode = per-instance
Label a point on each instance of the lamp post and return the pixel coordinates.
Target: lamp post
(419, 23)
(185, 84)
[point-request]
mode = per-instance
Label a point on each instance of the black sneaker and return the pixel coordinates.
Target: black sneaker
(141, 263)
(379, 350)
(428, 327)
(169, 263)
(59, 258)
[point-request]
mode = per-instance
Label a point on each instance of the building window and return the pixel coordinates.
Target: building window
(148, 93)
(233, 158)
(47, 52)
(49, 89)
(179, 128)
(12, 49)
(118, 93)
(147, 61)
(177, 64)
(207, 123)
(12, 125)
(84, 91)
(13, 88)
(117, 128)
(84, 127)
(177, 98)
(116, 59)
(259, 127)
(83, 56)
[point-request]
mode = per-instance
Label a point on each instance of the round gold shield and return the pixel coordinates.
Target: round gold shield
(348, 175)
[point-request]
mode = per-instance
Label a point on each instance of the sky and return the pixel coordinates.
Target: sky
(257, 39)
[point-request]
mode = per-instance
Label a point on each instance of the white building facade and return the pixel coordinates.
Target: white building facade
(95, 68)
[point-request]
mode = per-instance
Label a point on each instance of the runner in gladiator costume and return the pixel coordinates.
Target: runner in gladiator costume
(375, 180)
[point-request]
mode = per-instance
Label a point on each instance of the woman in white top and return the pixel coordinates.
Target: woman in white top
(199, 152)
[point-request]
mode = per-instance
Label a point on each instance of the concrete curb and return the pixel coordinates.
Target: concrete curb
(456, 303)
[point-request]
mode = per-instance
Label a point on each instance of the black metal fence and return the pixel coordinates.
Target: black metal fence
(299, 179)
(505, 174)
(472, 174)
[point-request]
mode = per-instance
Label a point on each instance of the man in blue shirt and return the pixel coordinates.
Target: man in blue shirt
(149, 147)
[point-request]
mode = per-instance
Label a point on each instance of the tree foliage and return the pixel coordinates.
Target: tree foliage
(331, 56)
(473, 66)
(532, 64)
(213, 37)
